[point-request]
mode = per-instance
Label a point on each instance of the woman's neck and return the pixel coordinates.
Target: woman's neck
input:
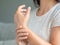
(45, 5)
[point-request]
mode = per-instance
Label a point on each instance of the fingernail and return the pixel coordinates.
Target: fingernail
(29, 7)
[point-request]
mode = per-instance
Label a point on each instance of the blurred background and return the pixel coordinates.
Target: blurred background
(7, 10)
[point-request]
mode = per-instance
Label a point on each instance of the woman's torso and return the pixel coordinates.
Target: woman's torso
(41, 25)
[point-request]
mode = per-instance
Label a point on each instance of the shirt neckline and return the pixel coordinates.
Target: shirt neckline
(48, 11)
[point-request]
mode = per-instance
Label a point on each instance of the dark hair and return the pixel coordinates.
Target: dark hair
(37, 2)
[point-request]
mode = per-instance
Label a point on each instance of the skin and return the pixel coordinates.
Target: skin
(25, 35)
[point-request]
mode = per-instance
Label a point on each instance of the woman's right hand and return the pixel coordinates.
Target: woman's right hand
(22, 36)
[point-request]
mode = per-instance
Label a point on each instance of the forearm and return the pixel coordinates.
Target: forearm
(36, 40)
(22, 43)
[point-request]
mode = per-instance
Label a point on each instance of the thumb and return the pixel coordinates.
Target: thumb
(28, 12)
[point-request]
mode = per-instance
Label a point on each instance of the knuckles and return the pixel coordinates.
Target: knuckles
(22, 32)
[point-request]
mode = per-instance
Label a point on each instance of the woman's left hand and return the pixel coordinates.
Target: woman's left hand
(21, 16)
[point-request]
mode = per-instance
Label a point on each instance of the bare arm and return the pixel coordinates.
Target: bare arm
(36, 40)
(55, 36)
(22, 43)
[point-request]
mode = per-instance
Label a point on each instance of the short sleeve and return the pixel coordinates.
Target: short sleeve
(56, 19)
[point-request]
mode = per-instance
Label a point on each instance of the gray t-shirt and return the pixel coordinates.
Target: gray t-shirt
(42, 25)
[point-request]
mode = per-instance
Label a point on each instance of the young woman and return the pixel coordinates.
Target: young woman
(41, 27)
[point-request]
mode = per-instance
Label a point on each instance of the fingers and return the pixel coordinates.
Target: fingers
(22, 11)
(22, 38)
(21, 31)
(28, 12)
(22, 34)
